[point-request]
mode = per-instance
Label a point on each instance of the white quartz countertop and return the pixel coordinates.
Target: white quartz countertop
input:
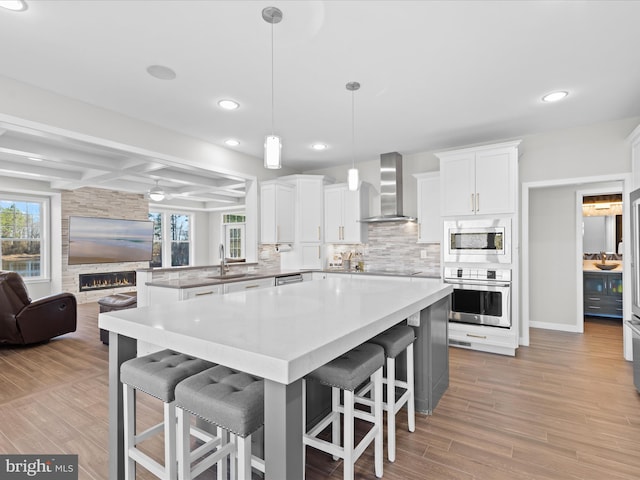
(590, 266)
(280, 333)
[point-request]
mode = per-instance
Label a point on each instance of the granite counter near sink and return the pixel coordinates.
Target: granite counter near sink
(590, 266)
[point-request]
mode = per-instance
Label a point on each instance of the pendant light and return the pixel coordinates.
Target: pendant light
(352, 175)
(272, 144)
(156, 193)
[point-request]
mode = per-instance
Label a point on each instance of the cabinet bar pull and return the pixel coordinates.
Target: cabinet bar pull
(595, 299)
(594, 307)
(477, 202)
(319, 254)
(251, 286)
(473, 204)
(319, 234)
(211, 292)
(476, 336)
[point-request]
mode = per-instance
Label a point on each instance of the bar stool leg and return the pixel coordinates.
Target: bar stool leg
(411, 404)
(184, 467)
(335, 424)
(391, 408)
(377, 405)
(244, 457)
(221, 468)
(348, 434)
(129, 414)
(171, 467)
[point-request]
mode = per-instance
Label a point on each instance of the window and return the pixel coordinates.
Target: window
(234, 236)
(171, 239)
(21, 242)
(156, 252)
(180, 240)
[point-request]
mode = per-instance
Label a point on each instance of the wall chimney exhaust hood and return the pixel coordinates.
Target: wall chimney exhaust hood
(390, 190)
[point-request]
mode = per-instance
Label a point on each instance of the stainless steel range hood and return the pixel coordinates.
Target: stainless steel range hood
(390, 190)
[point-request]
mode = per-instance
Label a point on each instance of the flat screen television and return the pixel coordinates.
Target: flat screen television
(109, 240)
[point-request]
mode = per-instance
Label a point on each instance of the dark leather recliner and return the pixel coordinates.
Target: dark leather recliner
(23, 321)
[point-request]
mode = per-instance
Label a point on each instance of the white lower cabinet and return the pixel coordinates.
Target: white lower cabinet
(248, 285)
(484, 338)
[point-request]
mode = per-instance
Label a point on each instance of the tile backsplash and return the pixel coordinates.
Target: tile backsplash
(392, 246)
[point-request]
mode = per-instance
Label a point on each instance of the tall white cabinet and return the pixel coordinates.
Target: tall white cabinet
(482, 183)
(479, 180)
(307, 248)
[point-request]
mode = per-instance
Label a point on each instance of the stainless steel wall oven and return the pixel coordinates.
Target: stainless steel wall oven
(480, 296)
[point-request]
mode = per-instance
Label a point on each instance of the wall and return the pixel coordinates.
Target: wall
(95, 202)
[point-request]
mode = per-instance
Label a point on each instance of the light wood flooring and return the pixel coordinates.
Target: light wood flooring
(564, 408)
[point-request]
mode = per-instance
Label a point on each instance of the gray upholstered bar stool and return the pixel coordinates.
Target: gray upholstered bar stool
(396, 340)
(231, 400)
(347, 372)
(156, 374)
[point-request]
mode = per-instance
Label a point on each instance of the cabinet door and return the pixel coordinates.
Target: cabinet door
(429, 221)
(248, 285)
(594, 284)
(351, 226)
(333, 207)
(285, 207)
(311, 256)
(310, 195)
(496, 181)
(457, 184)
(615, 284)
(277, 213)
(268, 213)
(198, 292)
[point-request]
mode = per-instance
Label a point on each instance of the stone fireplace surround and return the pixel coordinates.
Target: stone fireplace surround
(96, 202)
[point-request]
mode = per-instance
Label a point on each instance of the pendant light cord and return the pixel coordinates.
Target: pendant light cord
(272, 89)
(353, 129)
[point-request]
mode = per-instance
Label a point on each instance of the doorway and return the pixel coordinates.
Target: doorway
(551, 254)
(602, 254)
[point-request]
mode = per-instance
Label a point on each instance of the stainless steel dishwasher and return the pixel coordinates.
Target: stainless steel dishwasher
(288, 279)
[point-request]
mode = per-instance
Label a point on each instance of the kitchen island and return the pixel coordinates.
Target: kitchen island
(281, 334)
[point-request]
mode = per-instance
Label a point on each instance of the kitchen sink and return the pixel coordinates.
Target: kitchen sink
(230, 276)
(606, 266)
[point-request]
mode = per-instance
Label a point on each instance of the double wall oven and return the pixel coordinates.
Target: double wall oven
(477, 257)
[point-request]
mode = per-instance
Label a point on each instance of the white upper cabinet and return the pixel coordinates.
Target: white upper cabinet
(343, 210)
(311, 210)
(480, 180)
(277, 204)
(429, 219)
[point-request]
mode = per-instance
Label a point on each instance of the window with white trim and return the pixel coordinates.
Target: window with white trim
(23, 246)
(171, 239)
(234, 235)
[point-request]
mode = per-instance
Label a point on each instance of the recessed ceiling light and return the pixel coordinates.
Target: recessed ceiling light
(161, 72)
(15, 5)
(554, 96)
(232, 142)
(35, 159)
(228, 104)
(319, 146)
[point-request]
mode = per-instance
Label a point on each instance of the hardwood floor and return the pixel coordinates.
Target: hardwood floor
(565, 408)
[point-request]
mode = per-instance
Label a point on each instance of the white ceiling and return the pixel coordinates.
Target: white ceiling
(434, 75)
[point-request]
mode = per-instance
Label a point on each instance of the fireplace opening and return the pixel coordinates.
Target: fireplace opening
(101, 281)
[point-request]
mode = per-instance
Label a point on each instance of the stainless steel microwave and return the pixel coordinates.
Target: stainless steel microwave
(477, 241)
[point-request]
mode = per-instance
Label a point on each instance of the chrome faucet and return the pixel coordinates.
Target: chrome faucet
(223, 264)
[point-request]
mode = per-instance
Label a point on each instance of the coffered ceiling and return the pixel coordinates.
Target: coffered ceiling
(434, 75)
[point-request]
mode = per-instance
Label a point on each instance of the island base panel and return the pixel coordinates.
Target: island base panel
(121, 349)
(283, 430)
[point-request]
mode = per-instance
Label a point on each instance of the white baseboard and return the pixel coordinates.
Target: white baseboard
(556, 326)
